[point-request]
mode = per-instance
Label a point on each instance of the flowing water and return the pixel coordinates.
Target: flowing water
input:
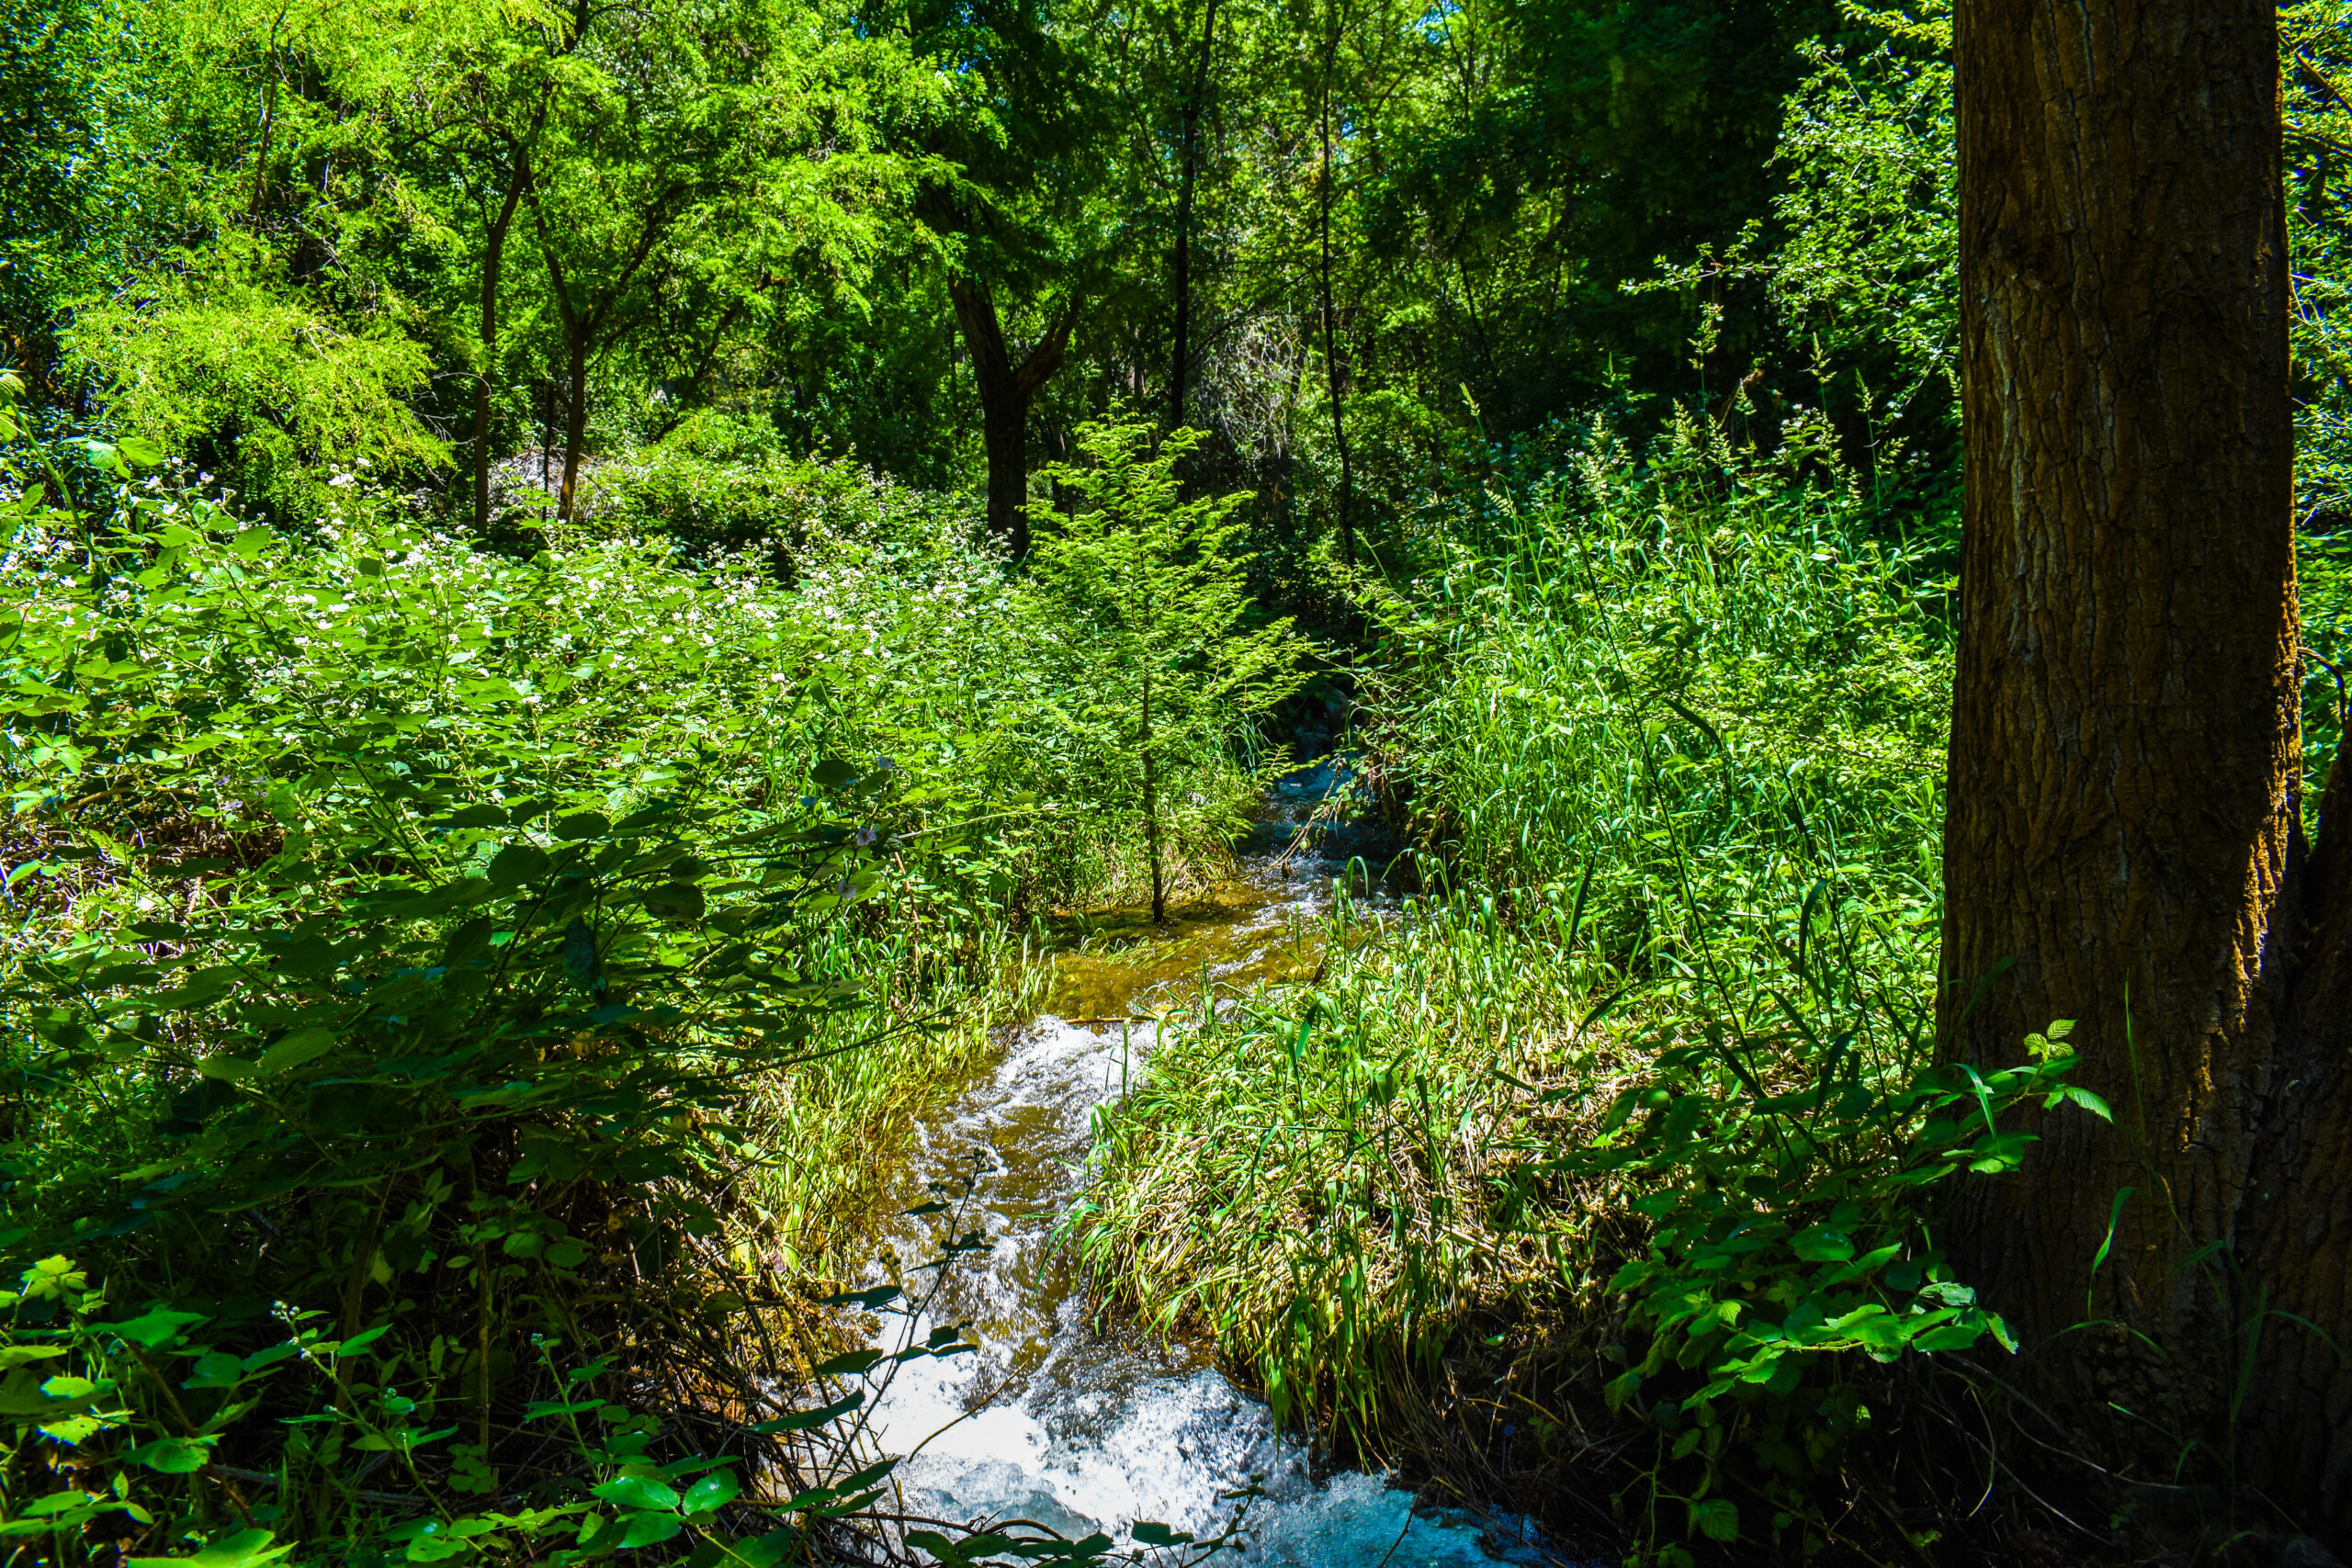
(1080, 1429)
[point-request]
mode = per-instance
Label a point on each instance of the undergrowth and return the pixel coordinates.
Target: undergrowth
(1602, 1155)
(452, 1003)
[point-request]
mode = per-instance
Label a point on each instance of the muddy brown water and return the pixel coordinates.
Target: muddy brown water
(1083, 1428)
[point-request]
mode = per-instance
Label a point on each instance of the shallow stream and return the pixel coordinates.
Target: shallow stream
(1080, 1428)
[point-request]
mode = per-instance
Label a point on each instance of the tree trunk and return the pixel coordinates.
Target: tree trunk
(1333, 370)
(575, 416)
(1179, 368)
(1006, 390)
(2125, 763)
(585, 325)
(2295, 1427)
(1151, 811)
(494, 255)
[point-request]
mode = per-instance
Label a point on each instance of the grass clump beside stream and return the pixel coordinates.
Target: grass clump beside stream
(1638, 1088)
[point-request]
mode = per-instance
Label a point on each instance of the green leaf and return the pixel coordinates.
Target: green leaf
(847, 1365)
(880, 1295)
(1948, 1337)
(246, 1548)
(801, 1421)
(518, 863)
(302, 1045)
(585, 825)
(1817, 1244)
(173, 1456)
(675, 901)
(714, 1491)
(153, 1329)
(650, 1529)
(2087, 1100)
(639, 1492)
(544, 1409)
(1717, 1518)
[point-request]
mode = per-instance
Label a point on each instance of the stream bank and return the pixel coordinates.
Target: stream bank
(1080, 1425)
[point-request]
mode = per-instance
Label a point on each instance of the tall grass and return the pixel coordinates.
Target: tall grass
(1669, 739)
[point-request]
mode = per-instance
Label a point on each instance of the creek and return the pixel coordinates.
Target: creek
(1085, 1426)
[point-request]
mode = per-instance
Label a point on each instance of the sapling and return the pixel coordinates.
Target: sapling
(1154, 605)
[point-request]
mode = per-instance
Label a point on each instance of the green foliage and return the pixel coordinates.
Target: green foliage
(1696, 678)
(147, 1455)
(429, 954)
(718, 484)
(219, 345)
(1646, 1073)
(1783, 1174)
(1860, 262)
(383, 994)
(1147, 612)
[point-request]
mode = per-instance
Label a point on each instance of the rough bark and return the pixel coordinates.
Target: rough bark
(2295, 1428)
(2122, 815)
(1006, 389)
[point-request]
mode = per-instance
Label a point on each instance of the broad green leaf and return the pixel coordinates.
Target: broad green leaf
(639, 1492)
(154, 1329)
(246, 1548)
(713, 1491)
(173, 1456)
(295, 1049)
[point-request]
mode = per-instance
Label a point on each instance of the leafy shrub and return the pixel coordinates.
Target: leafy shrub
(365, 977)
(428, 961)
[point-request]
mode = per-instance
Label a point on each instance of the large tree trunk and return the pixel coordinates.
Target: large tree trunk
(2295, 1426)
(1006, 390)
(2122, 818)
(1179, 368)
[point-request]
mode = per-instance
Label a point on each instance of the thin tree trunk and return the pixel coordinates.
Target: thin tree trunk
(1179, 368)
(1151, 811)
(493, 256)
(576, 418)
(268, 116)
(586, 327)
(1333, 369)
(2121, 812)
(1006, 391)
